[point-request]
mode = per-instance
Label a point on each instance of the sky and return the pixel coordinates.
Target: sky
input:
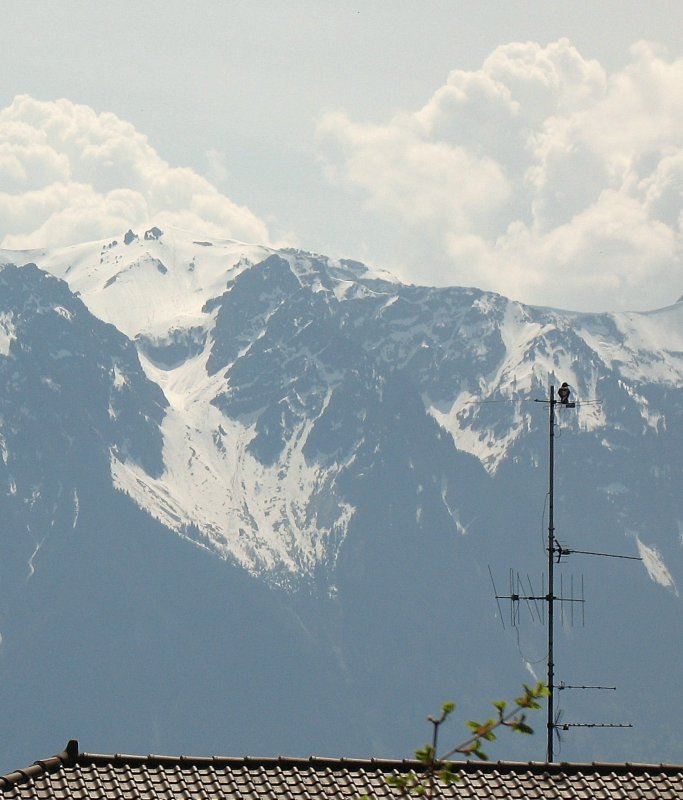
(532, 148)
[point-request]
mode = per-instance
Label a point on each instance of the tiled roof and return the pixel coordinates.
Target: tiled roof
(76, 776)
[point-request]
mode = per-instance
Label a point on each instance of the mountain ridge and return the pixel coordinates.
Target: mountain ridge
(193, 317)
(357, 452)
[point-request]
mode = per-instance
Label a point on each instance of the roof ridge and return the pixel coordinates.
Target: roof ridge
(382, 764)
(67, 757)
(251, 761)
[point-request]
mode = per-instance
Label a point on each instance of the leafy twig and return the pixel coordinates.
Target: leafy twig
(441, 770)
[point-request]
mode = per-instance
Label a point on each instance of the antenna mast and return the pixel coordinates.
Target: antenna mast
(551, 573)
(555, 550)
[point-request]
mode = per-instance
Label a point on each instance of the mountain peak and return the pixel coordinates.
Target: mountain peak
(257, 351)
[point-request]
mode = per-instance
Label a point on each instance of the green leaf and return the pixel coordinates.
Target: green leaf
(483, 729)
(425, 754)
(447, 776)
(522, 727)
(480, 754)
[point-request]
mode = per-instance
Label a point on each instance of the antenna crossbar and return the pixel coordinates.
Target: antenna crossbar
(568, 551)
(522, 590)
(565, 726)
(546, 597)
(562, 685)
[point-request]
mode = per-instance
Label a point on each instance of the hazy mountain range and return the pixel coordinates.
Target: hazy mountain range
(251, 499)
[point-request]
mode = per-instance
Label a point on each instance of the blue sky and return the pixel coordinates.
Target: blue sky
(531, 148)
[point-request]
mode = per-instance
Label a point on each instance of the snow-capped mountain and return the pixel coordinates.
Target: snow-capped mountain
(357, 449)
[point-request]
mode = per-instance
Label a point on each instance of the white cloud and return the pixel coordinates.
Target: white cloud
(217, 166)
(68, 174)
(540, 176)
(427, 181)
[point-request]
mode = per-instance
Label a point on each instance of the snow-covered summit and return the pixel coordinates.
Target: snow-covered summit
(144, 284)
(157, 281)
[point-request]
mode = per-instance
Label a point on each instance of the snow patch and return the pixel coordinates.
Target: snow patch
(653, 419)
(655, 566)
(648, 347)
(530, 669)
(283, 519)
(7, 333)
(63, 312)
(461, 421)
(463, 530)
(120, 379)
(77, 508)
(38, 543)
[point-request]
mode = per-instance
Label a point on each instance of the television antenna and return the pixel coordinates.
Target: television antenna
(548, 599)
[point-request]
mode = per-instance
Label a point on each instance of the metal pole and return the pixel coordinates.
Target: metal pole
(551, 584)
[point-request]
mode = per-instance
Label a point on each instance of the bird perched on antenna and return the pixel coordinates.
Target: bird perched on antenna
(563, 393)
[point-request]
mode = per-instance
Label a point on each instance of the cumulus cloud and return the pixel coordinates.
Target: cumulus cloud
(540, 176)
(68, 174)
